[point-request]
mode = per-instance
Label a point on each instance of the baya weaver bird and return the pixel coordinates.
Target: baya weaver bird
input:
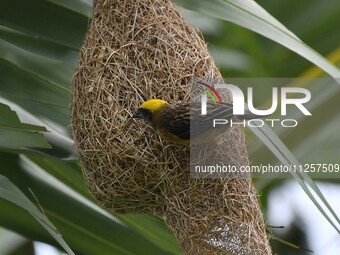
(183, 123)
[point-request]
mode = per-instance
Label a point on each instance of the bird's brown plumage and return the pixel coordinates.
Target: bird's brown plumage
(183, 122)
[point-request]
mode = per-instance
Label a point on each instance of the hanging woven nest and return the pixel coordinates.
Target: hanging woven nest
(137, 50)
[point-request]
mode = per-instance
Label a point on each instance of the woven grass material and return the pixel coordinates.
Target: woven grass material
(136, 50)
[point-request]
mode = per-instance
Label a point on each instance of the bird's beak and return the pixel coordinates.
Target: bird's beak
(136, 114)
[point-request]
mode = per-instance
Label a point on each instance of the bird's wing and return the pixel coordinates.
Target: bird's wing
(187, 122)
(201, 123)
(176, 120)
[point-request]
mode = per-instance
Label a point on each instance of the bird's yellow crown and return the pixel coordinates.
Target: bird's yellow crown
(153, 104)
